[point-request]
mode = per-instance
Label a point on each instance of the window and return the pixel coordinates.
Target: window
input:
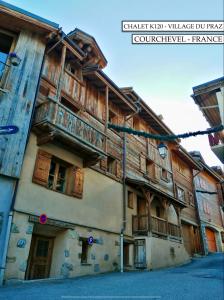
(85, 250)
(74, 69)
(6, 42)
(130, 199)
(180, 194)
(150, 168)
(164, 174)
(57, 175)
(111, 165)
(158, 214)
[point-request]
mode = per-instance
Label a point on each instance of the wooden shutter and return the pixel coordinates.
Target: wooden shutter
(103, 164)
(42, 168)
(118, 169)
(77, 182)
(142, 163)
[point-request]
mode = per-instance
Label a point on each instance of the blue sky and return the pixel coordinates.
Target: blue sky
(163, 75)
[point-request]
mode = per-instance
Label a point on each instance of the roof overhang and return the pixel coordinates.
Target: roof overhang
(101, 80)
(210, 99)
(147, 113)
(89, 45)
(24, 20)
(146, 185)
(185, 156)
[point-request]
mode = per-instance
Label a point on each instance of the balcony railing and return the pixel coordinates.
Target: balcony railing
(59, 118)
(159, 225)
(174, 230)
(140, 226)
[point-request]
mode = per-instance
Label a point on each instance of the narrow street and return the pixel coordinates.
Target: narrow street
(202, 279)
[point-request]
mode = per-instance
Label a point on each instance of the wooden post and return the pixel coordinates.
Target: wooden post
(149, 199)
(166, 206)
(61, 75)
(106, 115)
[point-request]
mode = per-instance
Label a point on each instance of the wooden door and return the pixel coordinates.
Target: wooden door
(126, 254)
(40, 257)
(141, 211)
(187, 237)
(140, 254)
(210, 235)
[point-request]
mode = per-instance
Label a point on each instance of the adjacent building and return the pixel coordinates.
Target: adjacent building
(209, 97)
(209, 197)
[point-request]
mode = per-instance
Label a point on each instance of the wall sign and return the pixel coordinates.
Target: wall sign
(90, 240)
(11, 129)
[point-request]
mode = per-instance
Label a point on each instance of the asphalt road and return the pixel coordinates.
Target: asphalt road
(202, 279)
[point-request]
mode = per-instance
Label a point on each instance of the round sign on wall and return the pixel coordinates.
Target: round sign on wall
(90, 240)
(43, 219)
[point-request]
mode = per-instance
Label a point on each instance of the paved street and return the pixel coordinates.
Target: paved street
(202, 279)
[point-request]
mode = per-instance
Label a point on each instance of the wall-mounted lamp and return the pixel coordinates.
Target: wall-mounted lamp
(163, 150)
(14, 59)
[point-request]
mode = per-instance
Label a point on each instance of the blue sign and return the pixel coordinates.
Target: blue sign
(11, 129)
(90, 240)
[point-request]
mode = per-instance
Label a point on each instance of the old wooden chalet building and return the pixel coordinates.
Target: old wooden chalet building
(110, 199)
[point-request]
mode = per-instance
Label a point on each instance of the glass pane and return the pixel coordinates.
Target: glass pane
(5, 45)
(50, 181)
(60, 186)
(52, 168)
(61, 172)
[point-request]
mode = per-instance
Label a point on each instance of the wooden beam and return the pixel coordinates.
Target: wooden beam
(61, 75)
(106, 115)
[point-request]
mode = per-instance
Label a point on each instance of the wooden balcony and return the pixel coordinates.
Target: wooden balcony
(140, 226)
(54, 122)
(158, 225)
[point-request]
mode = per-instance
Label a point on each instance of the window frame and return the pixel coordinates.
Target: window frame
(59, 163)
(84, 241)
(184, 194)
(4, 78)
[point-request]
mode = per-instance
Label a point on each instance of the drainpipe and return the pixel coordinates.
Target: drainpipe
(124, 220)
(124, 204)
(199, 216)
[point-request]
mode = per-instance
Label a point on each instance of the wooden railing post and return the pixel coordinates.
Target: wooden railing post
(61, 75)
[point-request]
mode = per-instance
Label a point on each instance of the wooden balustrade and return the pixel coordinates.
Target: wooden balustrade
(159, 226)
(68, 122)
(174, 230)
